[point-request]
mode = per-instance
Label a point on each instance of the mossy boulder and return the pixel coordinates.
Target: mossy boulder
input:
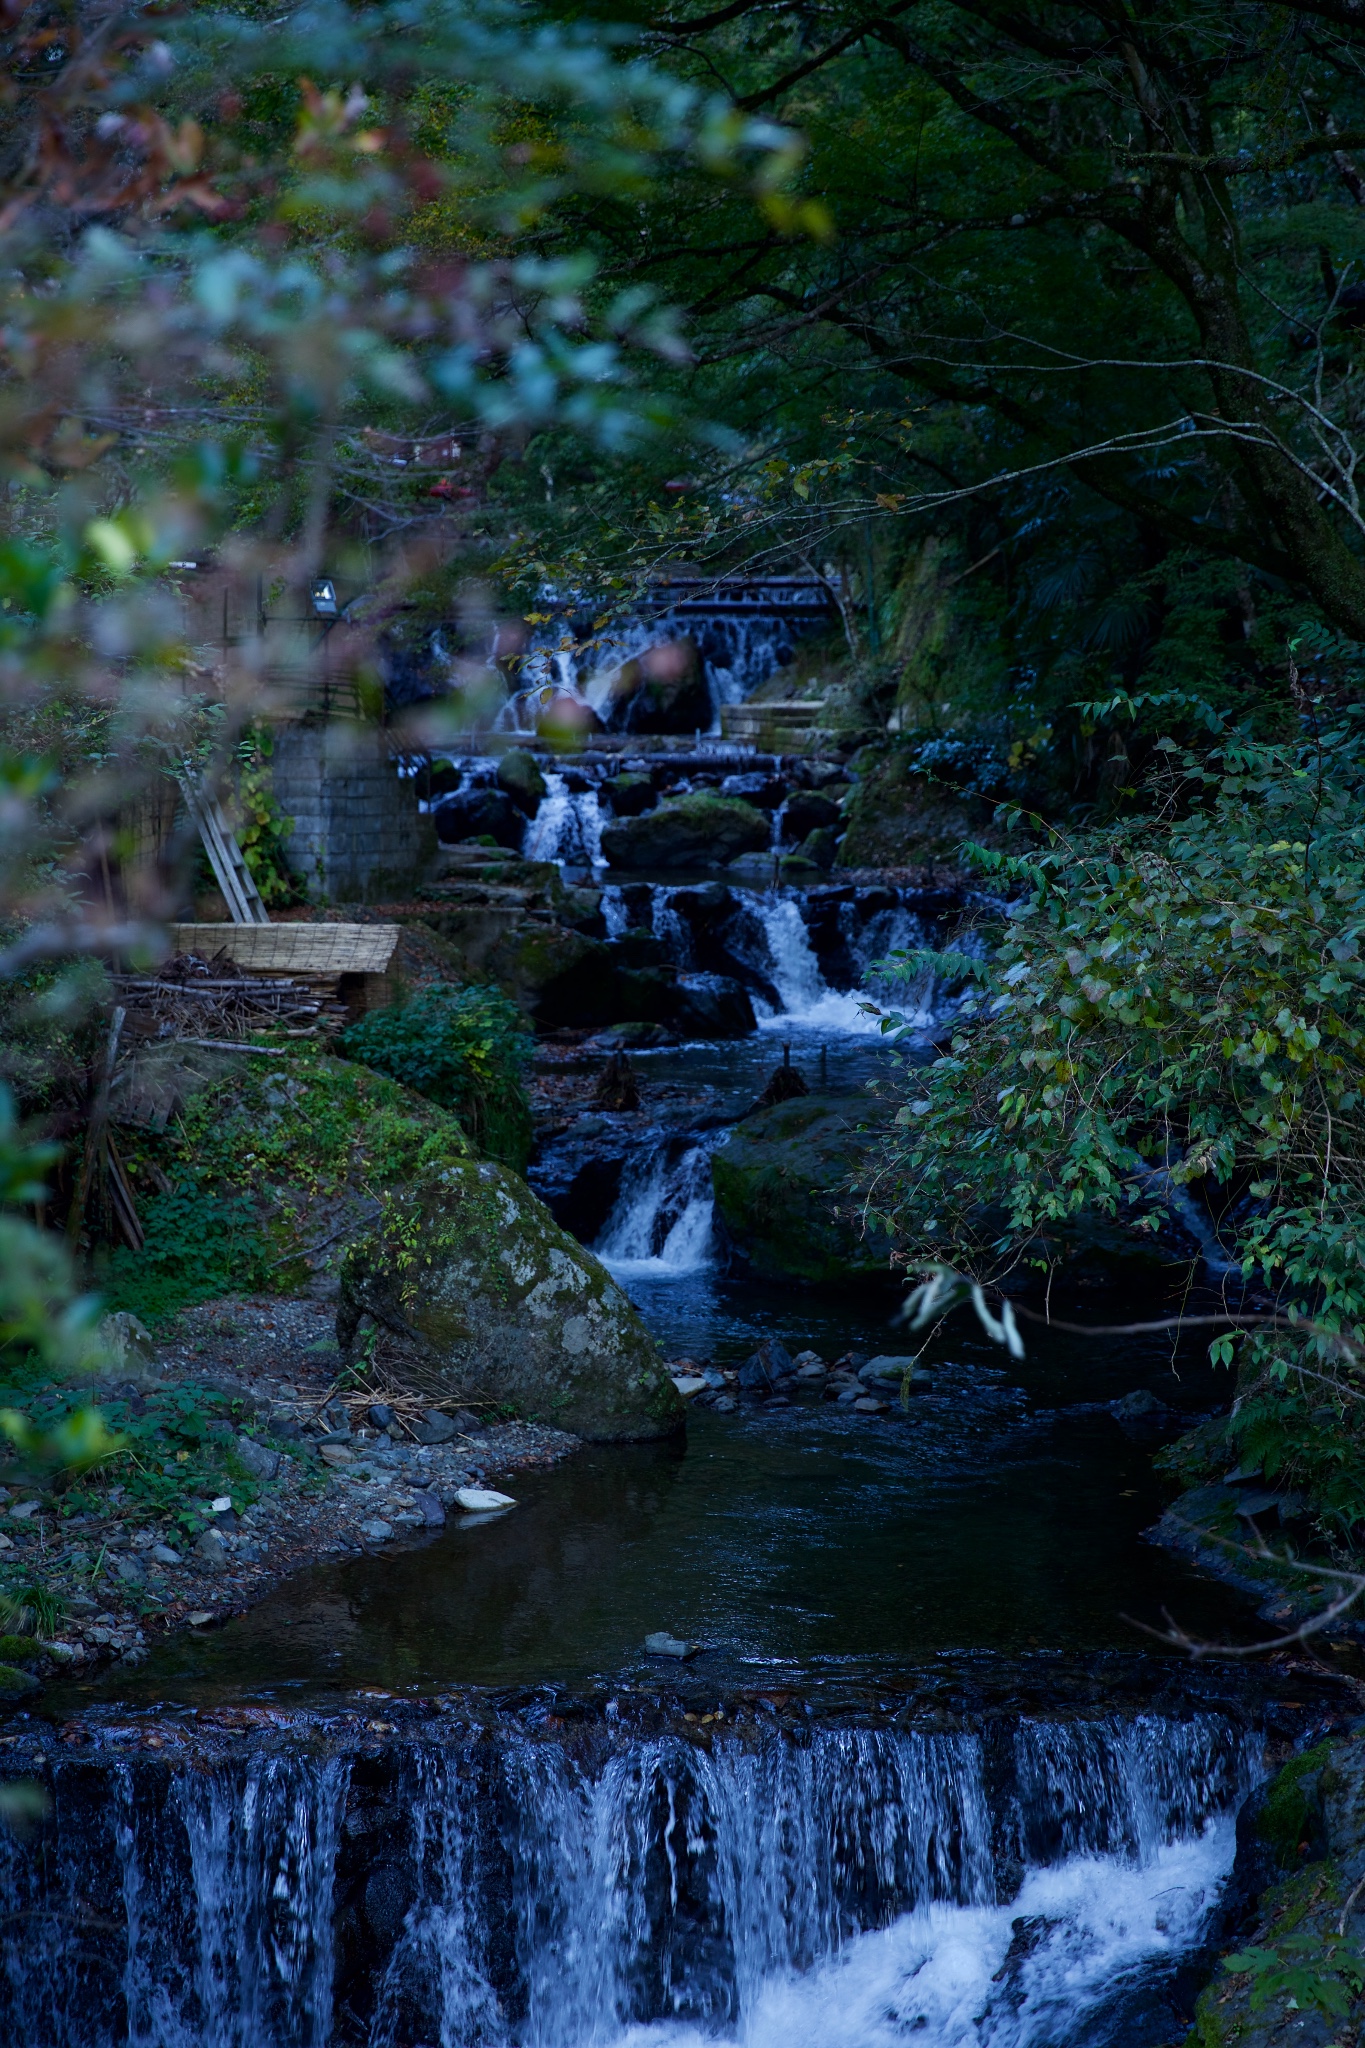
(898, 817)
(263, 1159)
(478, 1294)
(694, 831)
(16, 1684)
(20, 1651)
(520, 778)
(819, 848)
(563, 977)
(629, 794)
(1294, 1973)
(790, 1186)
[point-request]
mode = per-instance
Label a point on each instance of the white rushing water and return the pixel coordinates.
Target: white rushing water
(662, 1222)
(808, 1003)
(1019, 1888)
(779, 947)
(954, 1977)
(567, 825)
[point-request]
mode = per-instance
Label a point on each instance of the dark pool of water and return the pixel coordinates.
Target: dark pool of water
(1003, 1512)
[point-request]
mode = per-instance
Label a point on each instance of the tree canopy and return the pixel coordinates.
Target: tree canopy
(1082, 284)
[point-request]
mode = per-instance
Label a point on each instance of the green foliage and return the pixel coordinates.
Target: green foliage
(48, 1330)
(1016, 462)
(1321, 1969)
(173, 1450)
(250, 1161)
(176, 1447)
(261, 826)
(28, 1609)
(1289, 1802)
(466, 1048)
(199, 1242)
(1171, 1023)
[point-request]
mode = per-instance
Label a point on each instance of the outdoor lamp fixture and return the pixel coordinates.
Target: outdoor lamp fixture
(323, 598)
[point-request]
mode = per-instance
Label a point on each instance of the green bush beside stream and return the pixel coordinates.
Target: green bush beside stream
(1169, 1028)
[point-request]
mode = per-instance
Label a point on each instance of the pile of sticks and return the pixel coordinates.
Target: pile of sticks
(215, 1001)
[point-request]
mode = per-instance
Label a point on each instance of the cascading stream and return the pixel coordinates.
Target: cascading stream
(660, 1224)
(662, 1219)
(1021, 1887)
(567, 825)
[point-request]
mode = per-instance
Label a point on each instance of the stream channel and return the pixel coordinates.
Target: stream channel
(923, 1781)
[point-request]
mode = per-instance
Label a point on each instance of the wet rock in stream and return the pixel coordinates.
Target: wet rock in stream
(787, 1191)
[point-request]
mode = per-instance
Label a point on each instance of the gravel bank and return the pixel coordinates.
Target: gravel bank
(322, 1481)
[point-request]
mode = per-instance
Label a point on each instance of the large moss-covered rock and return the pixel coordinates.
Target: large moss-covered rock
(563, 977)
(246, 1171)
(520, 777)
(697, 830)
(478, 1294)
(898, 817)
(789, 1191)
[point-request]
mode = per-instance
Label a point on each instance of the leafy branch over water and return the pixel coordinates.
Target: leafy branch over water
(1169, 1027)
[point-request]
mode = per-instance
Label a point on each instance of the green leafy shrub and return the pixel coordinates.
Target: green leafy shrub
(199, 1242)
(466, 1048)
(262, 828)
(1172, 1022)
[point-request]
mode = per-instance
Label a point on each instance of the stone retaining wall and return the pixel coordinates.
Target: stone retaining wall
(358, 835)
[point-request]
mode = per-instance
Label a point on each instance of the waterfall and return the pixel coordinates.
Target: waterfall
(795, 973)
(1010, 1888)
(668, 926)
(662, 1219)
(567, 825)
(740, 651)
(615, 915)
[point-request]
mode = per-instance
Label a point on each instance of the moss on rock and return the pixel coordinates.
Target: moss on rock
(697, 830)
(478, 1293)
(17, 1685)
(232, 1191)
(788, 1192)
(897, 817)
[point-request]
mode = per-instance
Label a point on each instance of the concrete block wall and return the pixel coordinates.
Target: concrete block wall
(358, 835)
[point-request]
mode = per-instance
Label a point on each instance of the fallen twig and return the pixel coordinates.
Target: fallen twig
(274, 1052)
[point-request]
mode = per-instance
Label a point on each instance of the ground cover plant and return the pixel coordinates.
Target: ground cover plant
(261, 1164)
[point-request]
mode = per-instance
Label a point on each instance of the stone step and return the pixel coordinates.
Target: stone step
(790, 727)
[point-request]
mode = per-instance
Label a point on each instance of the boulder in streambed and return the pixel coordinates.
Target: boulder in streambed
(807, 811)
(479, 814)
(628, 795)
(694, 831)
(519, 777)
(789, 1191)
(478, 1294)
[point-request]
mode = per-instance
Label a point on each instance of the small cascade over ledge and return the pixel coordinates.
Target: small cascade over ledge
(849, 1888)
(661, 1224)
